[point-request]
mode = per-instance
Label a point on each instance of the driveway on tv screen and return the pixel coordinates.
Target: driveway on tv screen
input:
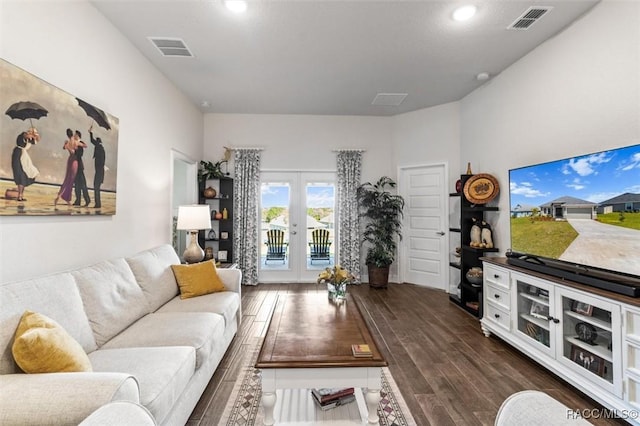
(606, 246)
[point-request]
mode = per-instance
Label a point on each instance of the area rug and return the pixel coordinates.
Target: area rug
(243, 408)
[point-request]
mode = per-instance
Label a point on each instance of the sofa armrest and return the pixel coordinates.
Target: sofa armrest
(232, 278)
(61, 398)
(120, 413)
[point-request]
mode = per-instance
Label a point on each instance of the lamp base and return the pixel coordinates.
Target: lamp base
(193, 253)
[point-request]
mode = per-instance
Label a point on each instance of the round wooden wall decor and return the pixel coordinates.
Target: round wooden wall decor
(481, 188)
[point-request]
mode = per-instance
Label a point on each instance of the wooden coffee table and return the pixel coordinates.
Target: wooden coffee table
(308, 345)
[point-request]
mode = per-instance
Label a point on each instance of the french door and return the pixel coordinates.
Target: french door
(295, 206)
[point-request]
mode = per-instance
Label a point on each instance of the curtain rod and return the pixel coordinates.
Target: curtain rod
(235, 148)
(350, 150)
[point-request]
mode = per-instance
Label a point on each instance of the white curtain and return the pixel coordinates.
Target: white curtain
(246, 190)
(349, 171)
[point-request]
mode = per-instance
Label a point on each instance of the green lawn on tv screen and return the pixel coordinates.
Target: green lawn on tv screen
(543, 238)
(626, 220)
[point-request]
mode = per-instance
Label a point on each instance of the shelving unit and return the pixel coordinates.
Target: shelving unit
(223, 200)
(470, 295)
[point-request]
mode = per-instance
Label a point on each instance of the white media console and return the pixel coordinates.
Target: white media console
(587, 336)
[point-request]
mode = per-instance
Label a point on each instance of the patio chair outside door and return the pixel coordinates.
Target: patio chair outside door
(276, 247)
(319, 245)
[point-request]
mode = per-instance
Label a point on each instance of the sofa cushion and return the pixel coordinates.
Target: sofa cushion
(41, 345)
(201, 331)
(197, 279)
(226, 304)
(162, 372)
(154, 275)
(55, 296)
(112, 298)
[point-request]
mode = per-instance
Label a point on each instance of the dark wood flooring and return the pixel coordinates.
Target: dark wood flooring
(448, 372)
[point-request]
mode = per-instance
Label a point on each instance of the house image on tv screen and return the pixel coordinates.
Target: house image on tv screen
(570, 208)
(626, 202)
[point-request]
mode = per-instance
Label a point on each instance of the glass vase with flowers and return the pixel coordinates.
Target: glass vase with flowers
(336, 278)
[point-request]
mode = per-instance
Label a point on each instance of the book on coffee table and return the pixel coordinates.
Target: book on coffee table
(343, 400)
(361, 351)
(326, 395)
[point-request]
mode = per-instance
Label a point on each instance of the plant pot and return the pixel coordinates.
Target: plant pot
(378, 277)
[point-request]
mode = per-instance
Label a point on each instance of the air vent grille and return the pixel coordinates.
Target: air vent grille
(389, 99)
(171, 46)
(529, 17)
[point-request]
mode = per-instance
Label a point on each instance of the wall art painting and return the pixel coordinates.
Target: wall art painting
(58, 153)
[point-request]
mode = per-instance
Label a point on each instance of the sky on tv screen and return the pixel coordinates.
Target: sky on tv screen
(595, 178)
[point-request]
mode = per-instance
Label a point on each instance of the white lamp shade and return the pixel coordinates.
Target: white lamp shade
(194, 217)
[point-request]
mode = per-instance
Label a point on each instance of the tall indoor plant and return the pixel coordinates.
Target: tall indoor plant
(383, 213)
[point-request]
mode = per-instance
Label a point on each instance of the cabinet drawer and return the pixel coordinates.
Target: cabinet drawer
(498, 295)
(497, 315)
(496, 275)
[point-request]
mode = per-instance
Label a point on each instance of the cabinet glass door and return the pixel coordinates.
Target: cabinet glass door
(533, 319)
(587, 340)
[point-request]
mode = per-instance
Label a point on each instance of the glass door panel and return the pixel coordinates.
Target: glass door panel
(274, 224)
(533, 306)
(587, 341)
(320, 235)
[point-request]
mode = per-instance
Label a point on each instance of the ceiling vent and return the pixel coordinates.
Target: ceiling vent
(171, 46)
(389, 99)
(529, 17)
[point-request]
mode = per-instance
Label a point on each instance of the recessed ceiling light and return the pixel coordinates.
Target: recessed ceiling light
(482, 76)
(464, 13)
(236, 6)
(205, 104)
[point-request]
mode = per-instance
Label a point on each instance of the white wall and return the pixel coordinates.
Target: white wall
(72, 46)
(575, 94)
(429, 136)
(303, 142)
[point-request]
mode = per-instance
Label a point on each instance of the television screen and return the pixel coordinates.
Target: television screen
(583, 210)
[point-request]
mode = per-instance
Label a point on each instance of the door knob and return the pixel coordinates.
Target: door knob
(440, 233)
(293, 232)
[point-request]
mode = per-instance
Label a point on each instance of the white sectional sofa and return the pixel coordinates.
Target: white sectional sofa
(146, 344)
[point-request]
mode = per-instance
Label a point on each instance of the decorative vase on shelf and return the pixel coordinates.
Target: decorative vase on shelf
(474, 275)
(208, 253)
(475, 234)
(209, 193)
(337, 291)
(218, 216)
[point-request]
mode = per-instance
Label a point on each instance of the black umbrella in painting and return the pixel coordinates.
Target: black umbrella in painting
(97, 114)
(25, 109)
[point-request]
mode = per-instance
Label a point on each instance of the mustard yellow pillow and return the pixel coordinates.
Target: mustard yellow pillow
(41, 345)
(197, 279)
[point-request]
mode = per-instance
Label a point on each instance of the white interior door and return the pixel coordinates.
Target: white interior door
(423, 256)
(184, 190)
(296, 203)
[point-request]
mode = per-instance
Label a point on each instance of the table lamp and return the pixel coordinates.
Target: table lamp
(193, 218)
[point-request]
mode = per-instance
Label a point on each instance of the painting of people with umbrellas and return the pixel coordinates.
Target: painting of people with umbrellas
(58, 152)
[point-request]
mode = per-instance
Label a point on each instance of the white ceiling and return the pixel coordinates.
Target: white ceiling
(333, 57)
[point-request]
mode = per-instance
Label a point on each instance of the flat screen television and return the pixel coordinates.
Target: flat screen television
(579, 218)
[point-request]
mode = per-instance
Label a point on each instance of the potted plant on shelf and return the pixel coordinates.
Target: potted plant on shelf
(383, 212)
(210, 170)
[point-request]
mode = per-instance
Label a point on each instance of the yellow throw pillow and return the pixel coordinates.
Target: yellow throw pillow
(41, 345)
(197, 279)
